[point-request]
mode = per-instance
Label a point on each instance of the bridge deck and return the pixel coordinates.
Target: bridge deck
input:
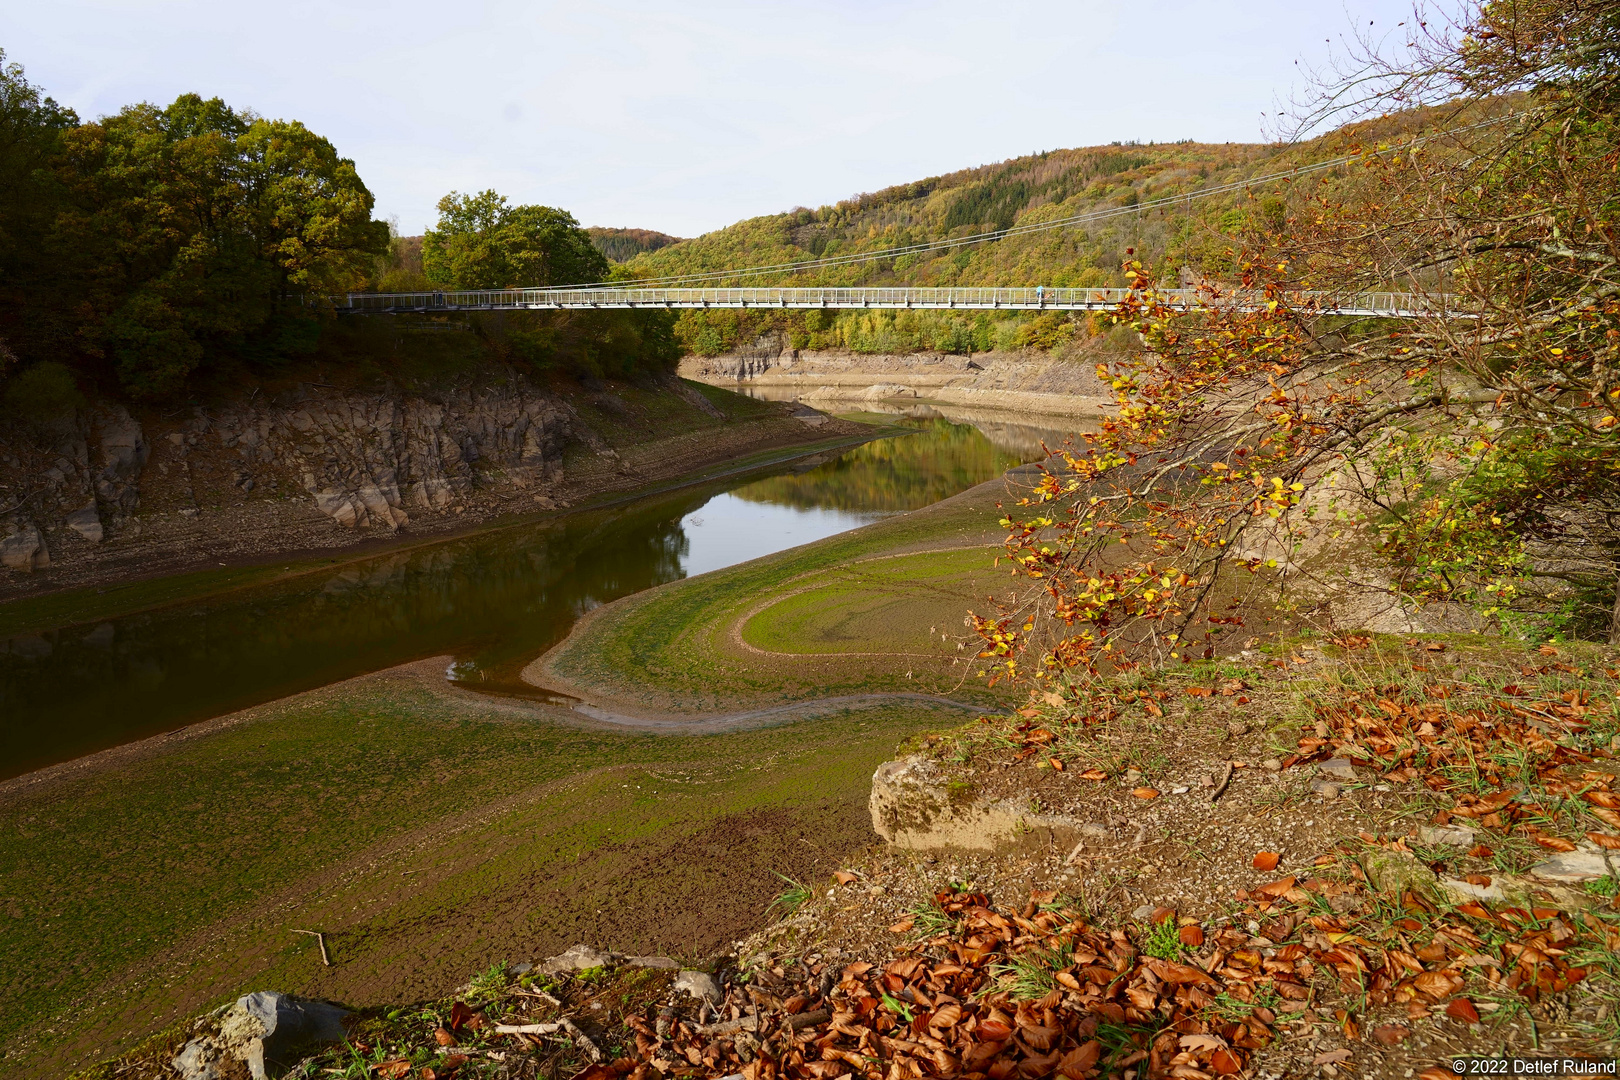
(1389, 305)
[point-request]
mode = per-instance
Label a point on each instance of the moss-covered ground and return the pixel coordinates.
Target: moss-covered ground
(425, 833)
(876, 610)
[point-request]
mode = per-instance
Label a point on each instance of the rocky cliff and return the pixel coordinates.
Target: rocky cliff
(316, 467)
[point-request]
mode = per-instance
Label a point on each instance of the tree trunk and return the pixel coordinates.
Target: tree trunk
(1614, 616)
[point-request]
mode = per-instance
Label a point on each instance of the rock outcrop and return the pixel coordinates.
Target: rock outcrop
(367, 461)
(267, 1032)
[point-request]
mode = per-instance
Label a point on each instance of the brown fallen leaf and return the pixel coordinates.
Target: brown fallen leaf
(1226, 1063)
(1276, 888)
(1093, 774)
(1547, 650)
(1266, 861)
(1391, 1034)
(1198, 691)
(844, 877)
(902, 926)
(1600, 797)
(1145, 792)
(1605, 840)
(443, 1037)
(1607, 816)
(1434, 984)
(1191, 936)
(1055, 763)
(1331, 1057)
(1435, 1072)
(1463, 1009)
(1480, 851)
(1553, 843)
(1080, 1061)
(392, 1070)
(460, 1013)
(994, 1030)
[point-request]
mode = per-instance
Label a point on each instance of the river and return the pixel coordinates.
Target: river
(493, 601)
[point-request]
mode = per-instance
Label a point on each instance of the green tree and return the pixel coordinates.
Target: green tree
(482, 243)
(31, 127)
(188, 233)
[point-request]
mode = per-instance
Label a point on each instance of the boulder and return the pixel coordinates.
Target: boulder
(1446, 836)
(663, 963)
(1338, 768)
(199, 1059)
(86, 522)
(1588, 863)
(269, 1032)
(24, 550)
(698, 984)
(578, 958)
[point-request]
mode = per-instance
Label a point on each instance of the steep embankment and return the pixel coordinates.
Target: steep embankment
(111, 493)
(1019, 382)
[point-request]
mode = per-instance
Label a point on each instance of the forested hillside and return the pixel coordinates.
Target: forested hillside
(621, 245)
(1218, 194)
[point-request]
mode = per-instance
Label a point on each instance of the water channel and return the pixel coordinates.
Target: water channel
(493, 601)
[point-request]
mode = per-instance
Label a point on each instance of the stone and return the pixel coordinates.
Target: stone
(1573, 866)
(1339, 768)
(1091, 830)
(1271, 765)
(1326, 788)
(86, 522)
(699, 985)
(271, 1031)
(199, 1059)
(578, 958)
(1391, 872)
(1142, 912)
(662, 963)
(1446, 836)
(1464, 891)
(24, 550)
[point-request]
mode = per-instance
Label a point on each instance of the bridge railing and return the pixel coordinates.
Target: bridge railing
(1020, 298)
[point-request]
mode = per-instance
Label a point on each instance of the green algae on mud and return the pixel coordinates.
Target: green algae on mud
(683, 649)
(143, 890)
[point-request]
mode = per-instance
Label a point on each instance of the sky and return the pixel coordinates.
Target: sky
(687, 115)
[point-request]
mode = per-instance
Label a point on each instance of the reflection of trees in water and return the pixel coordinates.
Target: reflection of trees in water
(70, 691)
(903, 473)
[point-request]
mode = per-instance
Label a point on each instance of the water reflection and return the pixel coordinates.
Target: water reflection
(1022, 437)
(494, 601)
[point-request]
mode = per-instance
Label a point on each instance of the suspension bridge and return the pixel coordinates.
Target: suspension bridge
(1391, 305)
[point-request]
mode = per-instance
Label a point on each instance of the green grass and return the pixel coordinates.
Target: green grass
(913, 603)
(670, 649)
(425, 836)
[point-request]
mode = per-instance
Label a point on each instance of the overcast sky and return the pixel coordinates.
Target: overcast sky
(687, 115)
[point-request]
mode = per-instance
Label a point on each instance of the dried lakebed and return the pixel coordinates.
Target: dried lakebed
(429, 829)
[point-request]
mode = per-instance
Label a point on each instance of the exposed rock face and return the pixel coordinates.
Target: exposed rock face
(366, 461)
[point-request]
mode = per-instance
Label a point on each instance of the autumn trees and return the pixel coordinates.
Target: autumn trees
(1471, 457)
(149, 241)
(481, 242)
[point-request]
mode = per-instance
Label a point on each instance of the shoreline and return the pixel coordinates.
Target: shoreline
(198, 581)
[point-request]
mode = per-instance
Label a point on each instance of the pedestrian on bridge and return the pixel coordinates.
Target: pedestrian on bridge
(1040, 293)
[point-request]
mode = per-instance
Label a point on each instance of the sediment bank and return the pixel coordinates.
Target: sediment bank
(1021, 382)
